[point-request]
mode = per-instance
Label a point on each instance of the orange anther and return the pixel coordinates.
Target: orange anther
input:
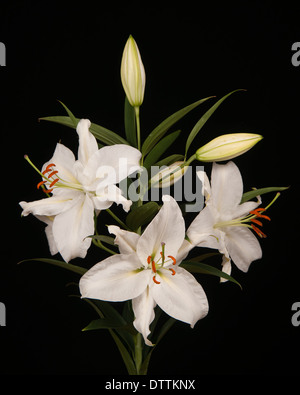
(256, 221)
(52, 173)
(47, 190)
(154, 279)
(54, 182)
(149, 259)
(48, 168)
(173, 259)
(173, 271)
(258, 231)
(40, 184)
(153, 267)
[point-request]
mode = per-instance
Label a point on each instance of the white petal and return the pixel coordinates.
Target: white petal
(49, 206)
(49, 233)
(64, 160)
(143, 308)
(183, 251)
(71, 228)
(125, 240)
(206, 191)
(180, 295)
(113, 163)
(226, 268)
(115, 279)
(226, 187)
(167, 226)
(244, 209)
(201, 232)
(87, 142)
(243, 246)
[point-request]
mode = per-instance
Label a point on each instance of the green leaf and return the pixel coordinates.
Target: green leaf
(160, 148)
(71, 115)
(204, 119)
(142, 215)
(164, 126)
(101, 323)
(64, 265)
(130, 125)
(199, 267)
(102, 134)
(256, 192)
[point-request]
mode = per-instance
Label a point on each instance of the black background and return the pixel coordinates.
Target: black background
(72, 52)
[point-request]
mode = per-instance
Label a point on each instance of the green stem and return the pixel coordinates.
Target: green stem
(138, 352)
(120, 222)
(138, 127)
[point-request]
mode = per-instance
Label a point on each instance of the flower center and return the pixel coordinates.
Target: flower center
(155, 266)
(50, 175)
(250, 218)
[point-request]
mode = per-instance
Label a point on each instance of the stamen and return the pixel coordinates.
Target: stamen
(52, 174)
(173, 271)
(149, 259)
(153, 267)
(173, 259)
(54, 182)
(40, 184)
(258, 231)
(256, 221)
(154, 279)
(48, 190)
(48, 168)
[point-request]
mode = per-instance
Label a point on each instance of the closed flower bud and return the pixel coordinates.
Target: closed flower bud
(168, 175)
(133, 73)
(227, 146)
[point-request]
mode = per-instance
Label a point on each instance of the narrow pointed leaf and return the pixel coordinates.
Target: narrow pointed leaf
(257, 192)
(169, 160)
(199, 267)
(204, 119)
(164, 126)
(160, 148)
(55, 262)
(101, 323)
(102, 134)
(130, 124)
(105, 239)
(71, 115)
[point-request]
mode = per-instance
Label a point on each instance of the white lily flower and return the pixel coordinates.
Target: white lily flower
(147, 271)
(79, 187)
(224, 223)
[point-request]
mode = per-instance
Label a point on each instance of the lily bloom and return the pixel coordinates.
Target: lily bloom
(225, 224)
(80, 188)
(147, 271)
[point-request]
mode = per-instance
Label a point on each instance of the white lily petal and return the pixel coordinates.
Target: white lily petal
(226, 188)
(201, 231)
(49, 233)
(71, 228)
(50, 206)
(64, 160)
(115, 279)
(87, 142)
(226, 268)
(114, 163)
(243, 246)
(206, 190)
(143, 308)
(180, 295)
(245, 208)
(125, 240)
(167, 226)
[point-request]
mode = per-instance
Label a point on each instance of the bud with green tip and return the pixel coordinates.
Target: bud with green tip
(227, 146)
(133, 73)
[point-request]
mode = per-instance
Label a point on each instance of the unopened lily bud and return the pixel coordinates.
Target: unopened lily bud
(227, 146)
(133, 73)
(168, 176)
